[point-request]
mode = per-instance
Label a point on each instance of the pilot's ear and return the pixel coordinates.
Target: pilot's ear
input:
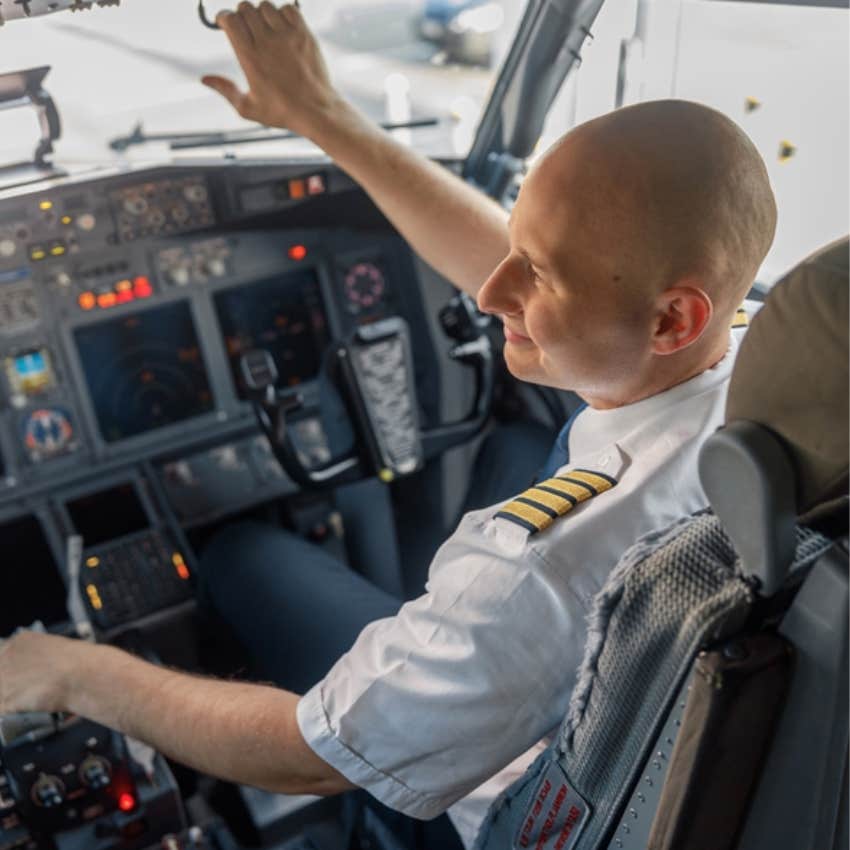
(683, 313)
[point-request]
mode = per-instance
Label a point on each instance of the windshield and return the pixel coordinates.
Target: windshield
(779, 70)
(396, 59)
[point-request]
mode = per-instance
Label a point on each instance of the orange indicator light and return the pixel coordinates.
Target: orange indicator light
(92, 562)
(126, 802)
(87, 300)
(297, 189)
(123, 285)
(94, 597)
(180, 566)
(107, 299)
(297, 252)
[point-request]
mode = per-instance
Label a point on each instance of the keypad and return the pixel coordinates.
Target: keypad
(132, 578)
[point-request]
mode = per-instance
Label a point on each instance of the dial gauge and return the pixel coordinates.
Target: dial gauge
(365, 286)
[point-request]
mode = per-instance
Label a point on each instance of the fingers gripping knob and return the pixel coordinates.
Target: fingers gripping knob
(265, 7)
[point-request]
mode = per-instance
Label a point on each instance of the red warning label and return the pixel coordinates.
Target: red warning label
(555, 816)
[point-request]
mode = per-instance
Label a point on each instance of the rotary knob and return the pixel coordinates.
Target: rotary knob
(135, 205)
(195, 193)
(180, 275)
(48, 792)
(95, 772)
(216, 267)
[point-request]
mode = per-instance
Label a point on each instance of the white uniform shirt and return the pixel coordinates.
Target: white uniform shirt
(454, 690)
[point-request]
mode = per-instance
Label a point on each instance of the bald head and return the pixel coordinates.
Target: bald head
(673, 188)
(632, 241)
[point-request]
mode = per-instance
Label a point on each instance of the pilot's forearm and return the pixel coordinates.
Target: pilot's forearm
(243, 732)
(458, 230)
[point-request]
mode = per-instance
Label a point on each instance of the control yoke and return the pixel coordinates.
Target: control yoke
(375, 370)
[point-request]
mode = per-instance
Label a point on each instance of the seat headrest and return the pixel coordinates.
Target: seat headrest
(791, 376)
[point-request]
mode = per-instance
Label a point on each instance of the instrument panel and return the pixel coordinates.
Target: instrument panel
(126, 300)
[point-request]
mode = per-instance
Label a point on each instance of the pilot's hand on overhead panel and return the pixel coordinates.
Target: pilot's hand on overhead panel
(288, 81)
(36, 671)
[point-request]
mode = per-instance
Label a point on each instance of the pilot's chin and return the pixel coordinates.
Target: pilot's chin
(519, 369)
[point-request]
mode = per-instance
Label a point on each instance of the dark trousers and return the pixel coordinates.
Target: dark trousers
(296, 609)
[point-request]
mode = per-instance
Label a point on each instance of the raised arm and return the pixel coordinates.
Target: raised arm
(243, 732)
(453, 227)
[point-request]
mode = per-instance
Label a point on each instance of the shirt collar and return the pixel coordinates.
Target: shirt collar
(594, 429)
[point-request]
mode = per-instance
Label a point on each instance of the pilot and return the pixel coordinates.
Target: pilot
(632, 243)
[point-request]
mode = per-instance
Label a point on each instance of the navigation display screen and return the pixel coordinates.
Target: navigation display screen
(283, 315)
(32, 587)
(144, 371)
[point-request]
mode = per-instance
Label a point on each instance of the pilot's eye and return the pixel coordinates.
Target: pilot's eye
(536, 277)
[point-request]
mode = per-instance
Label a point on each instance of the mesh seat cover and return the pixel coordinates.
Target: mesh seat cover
(673, 592)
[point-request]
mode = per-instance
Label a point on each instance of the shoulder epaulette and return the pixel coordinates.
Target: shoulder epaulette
(741, 320)
(539, 506)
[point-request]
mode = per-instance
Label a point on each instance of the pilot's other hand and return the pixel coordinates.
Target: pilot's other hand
(36, 670)
(288, 81)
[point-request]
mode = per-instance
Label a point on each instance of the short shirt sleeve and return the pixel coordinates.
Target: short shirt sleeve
(430, 703)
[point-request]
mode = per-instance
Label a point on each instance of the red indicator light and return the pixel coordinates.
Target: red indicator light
(124, 296)
(297, 252)
(126, 802)
(142, 287)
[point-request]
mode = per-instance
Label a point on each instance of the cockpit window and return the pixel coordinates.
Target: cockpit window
(399, 60)
(779, 70)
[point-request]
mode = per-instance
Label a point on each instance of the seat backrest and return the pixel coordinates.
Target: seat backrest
(684, 634)
(674, 593)
(758, 478)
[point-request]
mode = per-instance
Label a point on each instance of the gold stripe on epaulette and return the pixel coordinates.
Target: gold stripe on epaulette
(539, 506)
(741, 320)
(572, 489)
(551, 500)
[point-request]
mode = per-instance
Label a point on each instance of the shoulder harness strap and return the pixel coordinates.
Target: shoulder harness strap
(539, 506)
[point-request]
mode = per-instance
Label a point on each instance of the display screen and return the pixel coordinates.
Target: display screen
(144, 371)
(284, 315)
(32, 586)
(108, 514)
(29, 373)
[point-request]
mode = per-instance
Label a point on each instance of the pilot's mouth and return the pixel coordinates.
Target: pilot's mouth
(514, 337)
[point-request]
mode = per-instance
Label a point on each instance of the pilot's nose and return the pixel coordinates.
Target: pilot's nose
(500, 292)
